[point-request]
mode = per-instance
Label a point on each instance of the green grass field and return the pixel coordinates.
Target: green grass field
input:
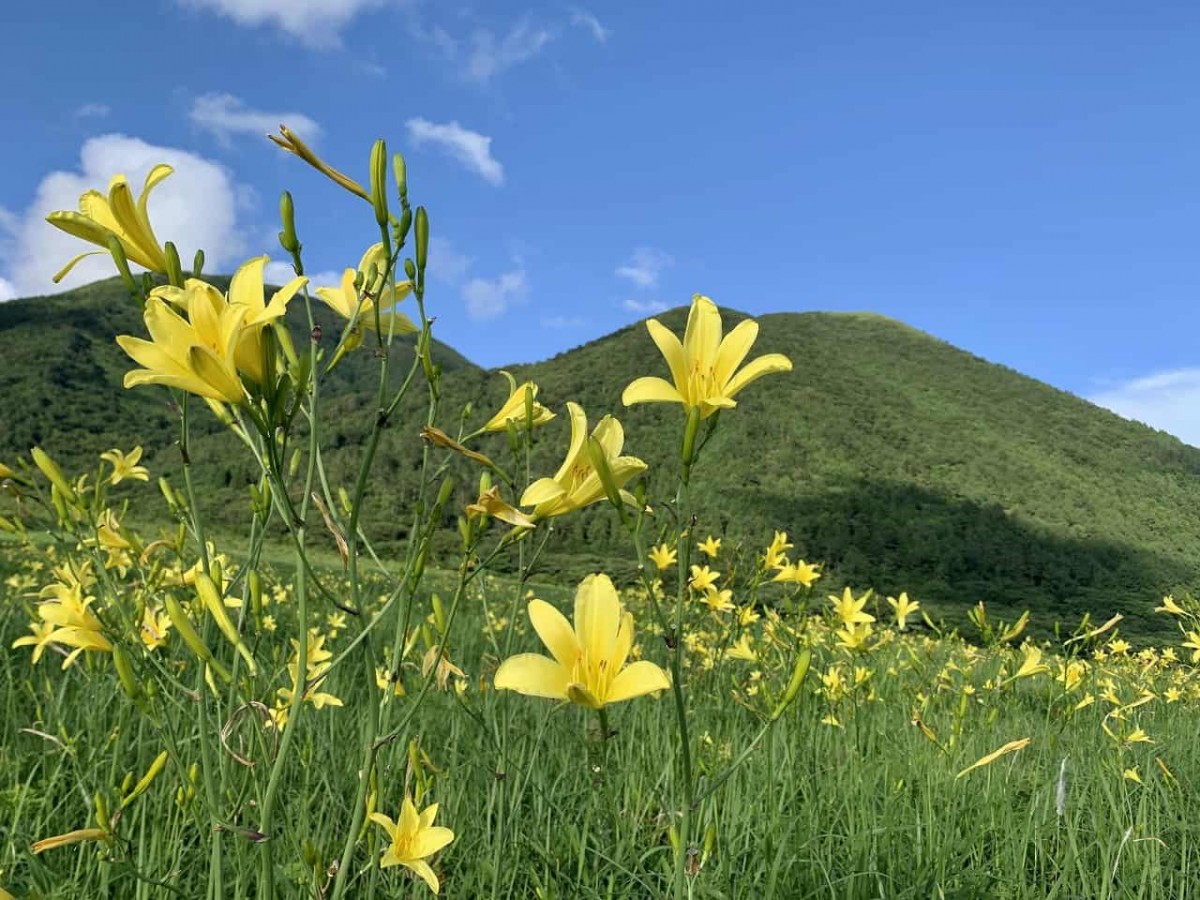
(852, 795)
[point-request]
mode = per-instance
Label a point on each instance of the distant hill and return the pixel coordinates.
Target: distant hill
(901, 461)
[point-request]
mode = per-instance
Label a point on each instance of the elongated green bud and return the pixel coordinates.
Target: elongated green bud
(600, 464)
(799, 671)
(287, 215)
(403, 226)
(129, 682)
(410, 269)
(6, 525)
(379, 181)
(439, 613)
(174, 268)
(164, 488)
(53, 473)
(514, 436)
(254, 582)
(183, 627)
(101, 810)
(142, 786)
(117, 250)
(126, 784)
(400, 170)
(422, 232)
(294, 463)
(210, 597)
(198, 264)
(445, 492)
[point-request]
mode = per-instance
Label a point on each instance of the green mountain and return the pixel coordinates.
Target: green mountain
(899, 460)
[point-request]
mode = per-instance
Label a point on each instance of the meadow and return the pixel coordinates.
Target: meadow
(302, 710)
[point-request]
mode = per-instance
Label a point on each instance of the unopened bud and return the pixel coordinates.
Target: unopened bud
(287, 215)
(410, 269)
(799, 671)
(198, 264)
(379, 181)
(174, 268)
(400, 170)
(117, 250)
(422, 232)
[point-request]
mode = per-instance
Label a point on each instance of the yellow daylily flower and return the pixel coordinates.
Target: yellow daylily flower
(195, 354)
(776, 555)
(117, 215)
(703, 578)
(514, 407)
(125, 465)
(849, 610)
(414, 839)
(704, 366)
(1170, 606)
(588, 665)
(352, 304)
(903, 608)
(247, 291)
(663, 556)
(801, 573)
(66, 619)
(577, 483)
(710, 547)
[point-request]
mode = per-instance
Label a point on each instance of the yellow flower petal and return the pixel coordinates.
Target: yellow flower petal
(642, 677)
(533, 675)
(650, 389)
(555, 631)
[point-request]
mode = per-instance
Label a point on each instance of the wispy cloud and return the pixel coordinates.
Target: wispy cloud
(224, 116)
(488, 298)
(92, 111)
(445, 263)
(490, 55)
(564, 322)
(470, 148)
(278, 273)
(36, 251)
(317, 23)
(581, 18)
(1168, 400)
(8, 290)
(644, 307)
(645, 266)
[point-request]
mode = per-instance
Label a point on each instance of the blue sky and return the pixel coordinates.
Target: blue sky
(1017, 178)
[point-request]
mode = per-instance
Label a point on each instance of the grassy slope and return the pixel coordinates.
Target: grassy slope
(902, 461)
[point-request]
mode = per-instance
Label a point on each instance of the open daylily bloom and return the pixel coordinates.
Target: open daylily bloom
(246, 291)
(202, 341)
(125, 465)
(588, 665)
(349, 303)
(195, 354)
(490, 503)
(704, 366)
(514, 407)
(100, 217)
(65, 619)
(577, 483)
(413, 839)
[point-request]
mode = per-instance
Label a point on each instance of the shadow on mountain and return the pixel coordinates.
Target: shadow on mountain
(954, 552)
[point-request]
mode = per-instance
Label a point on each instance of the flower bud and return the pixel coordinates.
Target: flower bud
(117, 250)
(410, 270)
(121, 663)
(198, 264)
(799, 671)
(422, 239)
(379, 181)
(287, 215)
(174, 269)
(142, 786)
(400, 170)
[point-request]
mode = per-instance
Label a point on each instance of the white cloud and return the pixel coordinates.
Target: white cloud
(1168, 400)
(645, 266)
(8, 290)
(470, 148)
(584, 19)
(225, 115)
(317, 23)
(444, 263)
(195, 207)
(93, 111)
(280, 273)
(644, 307)
(489, 298)
(491, 55)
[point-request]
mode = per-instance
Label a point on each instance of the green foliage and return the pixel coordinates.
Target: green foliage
(899, 460)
